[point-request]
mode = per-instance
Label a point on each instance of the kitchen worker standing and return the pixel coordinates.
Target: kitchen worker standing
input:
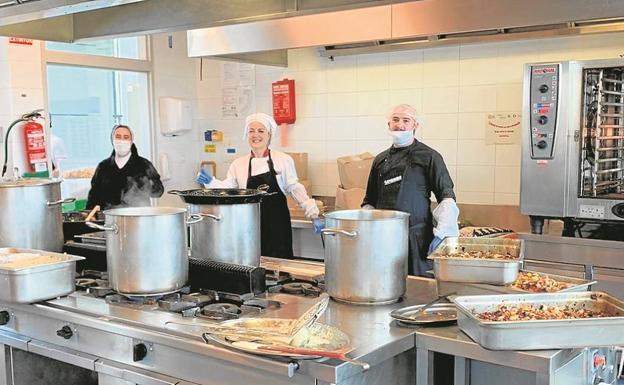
(276, 170)
(124, 179)
(403, 177)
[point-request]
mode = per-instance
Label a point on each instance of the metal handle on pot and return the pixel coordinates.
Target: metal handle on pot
(334, 231)
(112, 228)
(196, 218)
(60, 202)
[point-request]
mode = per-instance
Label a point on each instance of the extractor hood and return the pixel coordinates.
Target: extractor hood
(410, 25)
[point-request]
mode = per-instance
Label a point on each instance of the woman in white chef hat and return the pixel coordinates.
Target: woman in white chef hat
(276, 169)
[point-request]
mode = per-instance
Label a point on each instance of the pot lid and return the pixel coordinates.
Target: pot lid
(144, 211)
(220, 196)
(29, 182)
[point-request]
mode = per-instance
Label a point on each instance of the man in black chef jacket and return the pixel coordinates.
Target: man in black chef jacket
(403, 178)
(124, 179)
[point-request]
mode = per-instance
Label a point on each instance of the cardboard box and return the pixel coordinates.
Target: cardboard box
(301, 164)
(347, 199)
(353, 170)
(308, 186)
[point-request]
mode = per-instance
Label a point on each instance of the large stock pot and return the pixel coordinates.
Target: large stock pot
(366, 255)
(30, 214)
(146, 249)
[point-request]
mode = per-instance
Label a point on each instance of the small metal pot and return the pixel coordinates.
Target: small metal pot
(366, 255)
(146, 249)
(30, 214)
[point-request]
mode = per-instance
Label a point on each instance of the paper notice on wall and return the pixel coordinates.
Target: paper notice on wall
(503, 128)
(238, 74)
(238, 102)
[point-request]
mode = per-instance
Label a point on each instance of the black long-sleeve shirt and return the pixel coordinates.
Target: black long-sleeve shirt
(131, 185)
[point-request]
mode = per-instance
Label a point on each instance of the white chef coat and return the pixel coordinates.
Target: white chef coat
(286, 178)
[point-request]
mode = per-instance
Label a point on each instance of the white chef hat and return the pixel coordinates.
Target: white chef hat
(116, 126)
(405, 109)
(266, 120)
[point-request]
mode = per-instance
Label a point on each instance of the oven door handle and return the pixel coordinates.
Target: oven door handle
(133, 375)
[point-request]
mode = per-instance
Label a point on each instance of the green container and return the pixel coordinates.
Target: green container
(76, 206)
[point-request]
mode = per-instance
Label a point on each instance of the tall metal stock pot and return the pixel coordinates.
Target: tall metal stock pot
(230, 231)
(366, 255)
(145, 249)
(30, 214)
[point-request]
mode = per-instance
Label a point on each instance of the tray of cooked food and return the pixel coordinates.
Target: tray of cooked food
(496, 261)
(28, 275)
(527, 281)
(542, 321)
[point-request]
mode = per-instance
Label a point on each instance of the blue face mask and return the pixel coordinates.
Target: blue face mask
(402, 138)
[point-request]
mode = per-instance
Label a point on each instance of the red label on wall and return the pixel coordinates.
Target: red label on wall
(20, 40)
(284, 108)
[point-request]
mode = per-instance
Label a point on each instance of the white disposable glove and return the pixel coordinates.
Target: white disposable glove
(310, 208)
(445, 219)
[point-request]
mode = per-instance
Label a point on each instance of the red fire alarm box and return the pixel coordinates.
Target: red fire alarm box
(34, 139)
(284, 109)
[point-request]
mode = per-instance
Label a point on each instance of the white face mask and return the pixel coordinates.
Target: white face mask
(122, 147)
(401, 138)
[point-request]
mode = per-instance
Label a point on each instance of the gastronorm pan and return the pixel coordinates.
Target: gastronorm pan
(475, 270)
(39, 282)
(466, 288)
(542, 334)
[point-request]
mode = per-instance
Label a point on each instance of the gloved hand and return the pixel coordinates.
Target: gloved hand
(435, 242)
(203, 177)
(318, 225)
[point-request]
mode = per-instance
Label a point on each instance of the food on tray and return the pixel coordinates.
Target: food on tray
(480, 254)
(79, 173)
(528, 312)
(538, 283)
(24, 260)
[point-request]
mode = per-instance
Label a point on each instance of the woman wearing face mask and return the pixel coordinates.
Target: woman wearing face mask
(263, 166)
(125, 178)
(403, 178)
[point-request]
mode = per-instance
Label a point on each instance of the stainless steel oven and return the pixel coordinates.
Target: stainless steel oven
(573, 141)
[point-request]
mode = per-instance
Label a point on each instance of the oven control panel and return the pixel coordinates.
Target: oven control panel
(544, 96)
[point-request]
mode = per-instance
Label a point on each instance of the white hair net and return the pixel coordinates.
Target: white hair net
(116, 126)
(266, 120)
(405, 109)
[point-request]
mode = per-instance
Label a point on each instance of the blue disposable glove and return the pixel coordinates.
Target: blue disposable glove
(318, 225)
(203, 177)
(435, 242)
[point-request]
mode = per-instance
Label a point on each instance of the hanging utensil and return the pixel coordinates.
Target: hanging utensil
(342, 356)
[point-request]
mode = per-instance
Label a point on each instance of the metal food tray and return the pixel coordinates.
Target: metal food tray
(40, 282)
(474, 270)
(542, 334)
(463, 288)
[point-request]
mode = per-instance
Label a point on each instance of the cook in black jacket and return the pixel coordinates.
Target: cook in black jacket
(125, 178)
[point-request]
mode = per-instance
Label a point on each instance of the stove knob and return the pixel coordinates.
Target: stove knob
(543, 119)
(139, 352)
(4, 317)
(65, 332)
(542, 144)
(543, 88)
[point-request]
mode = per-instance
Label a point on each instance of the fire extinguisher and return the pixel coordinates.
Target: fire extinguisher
(34, 137)
(284, 107)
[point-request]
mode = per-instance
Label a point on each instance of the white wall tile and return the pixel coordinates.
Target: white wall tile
(441, 67)
(309, 129)
(412, 96)
(209, 108)
(372, 103)
(372, 72)
(447, 148)
(509, 97)
(24, 100)
(511, 58)
(471, 125)
(475, 198)
(475, 178)
(406, 69)
(476, 63)
(310, 82)
(507, 199)
(342, 74)
(372, 146)
(475, 152)
(312, 105)
(439, 126)
(440, 100)
(341, 129)
(477, 98)
(507, 180)
(508, 154)
(342, 104)
(371, 128)
(305, 59)
(338, 149)
(26, 74)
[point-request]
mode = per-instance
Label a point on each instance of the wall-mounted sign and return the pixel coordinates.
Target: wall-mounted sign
(503, 128)
(20, 41)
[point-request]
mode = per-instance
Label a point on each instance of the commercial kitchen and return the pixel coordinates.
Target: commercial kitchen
(519, 104)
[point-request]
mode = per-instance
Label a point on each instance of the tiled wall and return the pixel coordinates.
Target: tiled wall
(341, 106)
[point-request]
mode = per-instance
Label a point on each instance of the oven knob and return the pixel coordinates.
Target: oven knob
(65, 332)
(542, 119)
(4, 317)
(542, 144)
(543, 88)
(139, 352)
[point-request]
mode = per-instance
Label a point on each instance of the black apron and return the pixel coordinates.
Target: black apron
(275, 227)
(404, 187)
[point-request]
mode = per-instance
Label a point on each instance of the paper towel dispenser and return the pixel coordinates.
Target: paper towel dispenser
(176, 116)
